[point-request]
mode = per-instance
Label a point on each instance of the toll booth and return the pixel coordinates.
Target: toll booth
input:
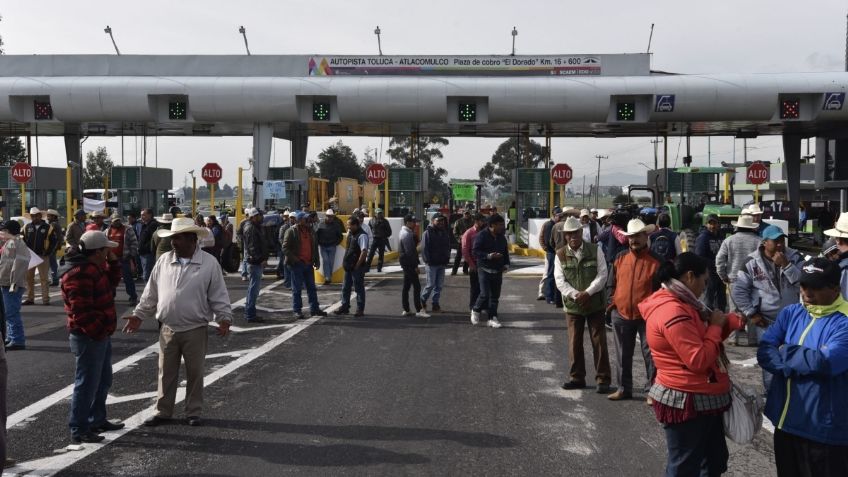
(407, 186)
(535, 193)
(348, 194)
(293, 190)
(142, 187)
(46, 190)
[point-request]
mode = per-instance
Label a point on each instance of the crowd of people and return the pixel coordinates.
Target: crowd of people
(606, 270)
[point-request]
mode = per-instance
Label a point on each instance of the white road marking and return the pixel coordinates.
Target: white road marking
(539, 339)
(745, 363)
(229, 354)
(131, 397)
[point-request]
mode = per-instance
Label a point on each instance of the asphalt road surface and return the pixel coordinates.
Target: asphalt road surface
(378, 395)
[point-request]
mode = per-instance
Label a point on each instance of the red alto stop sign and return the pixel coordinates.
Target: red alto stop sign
(211, 173)
(561, 174)
(376, 173)
(758, 173)
(21, 172)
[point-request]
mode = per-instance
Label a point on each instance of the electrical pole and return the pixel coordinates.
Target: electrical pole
(598, 178)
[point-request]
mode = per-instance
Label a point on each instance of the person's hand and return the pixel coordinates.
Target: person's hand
(223, 328)
(132, 325)
(718, 318)
(582, 298)
(757, 320)
(780, 260)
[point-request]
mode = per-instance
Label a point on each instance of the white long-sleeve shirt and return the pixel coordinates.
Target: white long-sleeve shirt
(597, 284)
(185, 296)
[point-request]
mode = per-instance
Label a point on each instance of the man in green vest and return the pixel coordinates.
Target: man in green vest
(581, 277)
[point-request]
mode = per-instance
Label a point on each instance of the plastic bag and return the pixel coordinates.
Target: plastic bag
(744, 418)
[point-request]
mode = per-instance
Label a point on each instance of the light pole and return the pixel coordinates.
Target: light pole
(379, 45)
(193, 192)
(108, 31)
(656, 143)
(514, 34)
(243, 32)
(598, 179)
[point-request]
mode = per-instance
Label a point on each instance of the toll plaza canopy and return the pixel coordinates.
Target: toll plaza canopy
(313, 95)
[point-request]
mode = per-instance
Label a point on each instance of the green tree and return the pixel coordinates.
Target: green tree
(428, 149)
(98, 164)
(338, 160)
(11, 148)
(510, 155)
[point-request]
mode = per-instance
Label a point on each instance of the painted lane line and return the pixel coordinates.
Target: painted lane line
(51, 465)
(131, 397)
(42, 404)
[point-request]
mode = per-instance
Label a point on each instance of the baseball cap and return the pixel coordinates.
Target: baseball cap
(410, 218)
(79, 212)
(378, 210)
(300, 215)
(772, 232)
(557, 211)
(819, 273)
(495, 218)
(253, 212)
(95, 239)
(712, 217)
(329, 212)
(12, 226)
(829, 247)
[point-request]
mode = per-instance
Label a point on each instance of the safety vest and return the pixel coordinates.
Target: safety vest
(579, 273)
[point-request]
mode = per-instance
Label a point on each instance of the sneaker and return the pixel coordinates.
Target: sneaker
(28, 303)
(154, 421)
(193, 421)
(255, 319)
(244, 278)
(15, 347)
(88, 437)
(573, 385)
(620, 395)
(422, 314)
(494, 323)
(603, 389)
(318, 312)
(475, 317)
(359, 313)
(299, 316)
(9, 463)
(341, 311)
(407, 313)
(437, 308)
(541, 298)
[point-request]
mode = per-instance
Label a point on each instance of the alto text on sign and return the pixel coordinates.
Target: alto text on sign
(561, 174)
(757, 173)
(211, 173)
(21, 172)
(376, 174)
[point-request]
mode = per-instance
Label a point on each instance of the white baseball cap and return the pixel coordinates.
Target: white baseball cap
(95, 239)
(330, 212)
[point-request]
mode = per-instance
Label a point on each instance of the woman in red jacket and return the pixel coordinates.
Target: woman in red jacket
(692, 388)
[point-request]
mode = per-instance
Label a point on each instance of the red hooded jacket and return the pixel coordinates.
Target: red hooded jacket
(684, 348)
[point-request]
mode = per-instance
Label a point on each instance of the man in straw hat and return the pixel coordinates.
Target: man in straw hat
(840, 235)
(42, 240)
(162, 243)
(186, 290)
(734, 251)
(632, 281)
(88, 281)
(580, 271)
(807, 350)
(146, 249)
(756, 214)
(56, 228)
(767, 282)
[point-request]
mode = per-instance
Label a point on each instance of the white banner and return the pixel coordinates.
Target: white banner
(92, 205)
(543, 65)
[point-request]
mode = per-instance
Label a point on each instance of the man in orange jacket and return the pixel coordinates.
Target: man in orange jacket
(632, 281)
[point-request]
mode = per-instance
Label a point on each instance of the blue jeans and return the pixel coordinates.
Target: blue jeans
(490, 292)
(255, 281)
(147, 262)
(302, 276)
(696, 447)
(435, 280)
(129, 281)
(354, 279)
(92, 380)
(550, 285)
(14, 323)
(328, 260)
(281, 267)
(54, 268)
(766, 375)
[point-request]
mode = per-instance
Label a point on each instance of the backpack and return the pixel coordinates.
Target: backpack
(662, 244)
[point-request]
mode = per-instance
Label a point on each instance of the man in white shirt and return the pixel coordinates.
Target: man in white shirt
(580, 275)
(185, 291)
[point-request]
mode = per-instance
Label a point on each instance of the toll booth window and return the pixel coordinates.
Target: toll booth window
(43, 111)
(177, 110)
(321, 111)
(625, 112)
(467, 112)
(790, 109)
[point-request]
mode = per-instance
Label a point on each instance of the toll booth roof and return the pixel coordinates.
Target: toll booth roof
(704, 170)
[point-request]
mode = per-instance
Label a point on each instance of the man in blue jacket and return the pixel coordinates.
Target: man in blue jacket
(707, 246)
(492, 255)
(806, 350)
(436, 251)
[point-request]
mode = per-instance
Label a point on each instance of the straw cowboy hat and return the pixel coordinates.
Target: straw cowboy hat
(841, 228)
(165, 219)
(183, 225)
(604, 213)
(745, 222)
(753, 209)
(571, 225)
(585, 213)
(636, 226)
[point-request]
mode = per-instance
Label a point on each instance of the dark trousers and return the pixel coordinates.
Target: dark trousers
(379, 245)
(410, 279)
(625, 345)
(354, 279)
(490, 292)
(550, 288)
(715, 296)
(697, 447)
(457, 259)
(474, 281)
(796, 456)
(600, 354)
(92, 380)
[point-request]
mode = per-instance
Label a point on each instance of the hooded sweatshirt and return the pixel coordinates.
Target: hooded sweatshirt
(87, 290)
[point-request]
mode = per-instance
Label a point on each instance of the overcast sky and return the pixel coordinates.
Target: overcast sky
(721, 36)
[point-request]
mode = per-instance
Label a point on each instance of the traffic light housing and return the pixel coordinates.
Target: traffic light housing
(43, 111)
(321, 111)
(625, 111)
(177, 110)
(467, 112)
(790, 108)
